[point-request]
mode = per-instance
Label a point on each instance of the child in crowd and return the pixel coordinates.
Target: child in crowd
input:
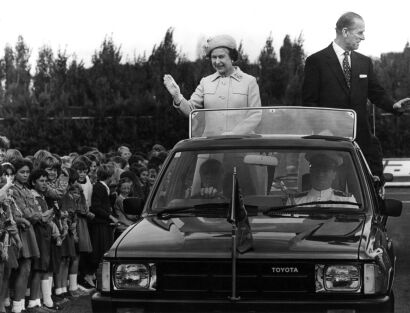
(4, 145)
(95, 161)
(10, 242)
(101, 231)
(125, 153)
(82, 170)
(57, 184)
(26, 213)
(66, 162)
(124, 190)
(74, 203)
(45, 230)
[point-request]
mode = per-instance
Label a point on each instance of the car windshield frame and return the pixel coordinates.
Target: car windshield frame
(273, 121)
(152, 200)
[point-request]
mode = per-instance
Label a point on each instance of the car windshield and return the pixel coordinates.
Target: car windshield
(267, 121)
(268, 180)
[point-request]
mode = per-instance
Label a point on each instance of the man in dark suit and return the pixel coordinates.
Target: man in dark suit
(339, 77)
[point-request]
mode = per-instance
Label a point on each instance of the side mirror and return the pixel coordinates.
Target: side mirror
(388, 177)
(133, 206)
(392, 207)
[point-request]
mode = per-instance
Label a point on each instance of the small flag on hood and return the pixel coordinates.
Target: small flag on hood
(239, 217)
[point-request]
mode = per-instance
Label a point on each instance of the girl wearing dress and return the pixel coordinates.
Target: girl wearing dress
(26, 213)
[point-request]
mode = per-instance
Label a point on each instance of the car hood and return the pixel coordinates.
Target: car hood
(328, 236)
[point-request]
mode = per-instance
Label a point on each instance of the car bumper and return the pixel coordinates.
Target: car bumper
(106, 304)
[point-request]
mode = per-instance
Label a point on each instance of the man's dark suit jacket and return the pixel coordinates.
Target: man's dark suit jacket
(325, 86)
(100, 204)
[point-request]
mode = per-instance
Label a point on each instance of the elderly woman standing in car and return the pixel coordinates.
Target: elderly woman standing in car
(228, 87)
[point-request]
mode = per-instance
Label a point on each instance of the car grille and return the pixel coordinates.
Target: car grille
(255, 279)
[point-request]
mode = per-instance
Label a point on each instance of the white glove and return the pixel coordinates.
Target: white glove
(402, 105)
(172, 88)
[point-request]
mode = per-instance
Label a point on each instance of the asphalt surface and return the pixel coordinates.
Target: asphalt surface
(399, 231)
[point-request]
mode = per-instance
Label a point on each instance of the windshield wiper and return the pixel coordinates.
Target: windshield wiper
(203, 209)
(308, 206)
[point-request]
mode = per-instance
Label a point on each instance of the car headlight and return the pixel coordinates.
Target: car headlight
(138, 276)
(337, 278)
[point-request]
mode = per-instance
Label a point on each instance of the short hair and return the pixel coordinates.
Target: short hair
(36, 174)
(138, 169)
(73, 176)
(105, 171)
(12, 154)
(95, 155)
(130, 175)
(119, 160)
(79, 165)
(211, 166)
(73, 155)
(155, 162)
(347, 20)
(135, 158)
(4, 142)
(142, 154)
(83, 158)
(7, 166)
(122, 148)
(18, 163)
(123, 181)
(49, 162)
(75, 187)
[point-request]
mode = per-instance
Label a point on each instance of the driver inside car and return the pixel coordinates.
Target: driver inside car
(211, 173)
(323, 171)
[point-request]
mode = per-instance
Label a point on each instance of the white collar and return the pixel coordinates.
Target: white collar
(106, 186)
(320, 193)
(338, 49)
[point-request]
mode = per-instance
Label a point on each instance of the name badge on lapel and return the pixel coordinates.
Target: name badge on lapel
(362, 76)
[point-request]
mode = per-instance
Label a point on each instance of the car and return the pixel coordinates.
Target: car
(275, 211)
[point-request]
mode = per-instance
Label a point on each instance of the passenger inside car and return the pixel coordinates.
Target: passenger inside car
(211, 173)
(322, 174)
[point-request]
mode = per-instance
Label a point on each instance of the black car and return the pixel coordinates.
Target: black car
(286, 217)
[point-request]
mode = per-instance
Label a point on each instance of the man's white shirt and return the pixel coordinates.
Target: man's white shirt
(330, 194)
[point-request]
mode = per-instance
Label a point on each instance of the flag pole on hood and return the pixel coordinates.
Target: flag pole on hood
(242, 240)
(232, 220)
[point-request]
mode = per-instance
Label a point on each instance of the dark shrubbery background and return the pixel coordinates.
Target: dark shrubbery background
(63, 105)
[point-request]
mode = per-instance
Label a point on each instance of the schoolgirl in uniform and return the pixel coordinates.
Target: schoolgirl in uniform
(26, 213)
(10, 242)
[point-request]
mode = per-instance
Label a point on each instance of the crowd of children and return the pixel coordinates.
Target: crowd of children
(59, 215)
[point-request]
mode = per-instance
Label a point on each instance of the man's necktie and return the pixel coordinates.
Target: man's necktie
(347, 71)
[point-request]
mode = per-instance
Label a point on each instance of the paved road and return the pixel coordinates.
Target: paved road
(399, 231)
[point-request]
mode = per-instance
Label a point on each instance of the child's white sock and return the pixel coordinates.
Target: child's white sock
(72, 285)
(46, 290)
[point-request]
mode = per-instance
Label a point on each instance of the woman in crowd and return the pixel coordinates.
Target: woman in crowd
(228, 87)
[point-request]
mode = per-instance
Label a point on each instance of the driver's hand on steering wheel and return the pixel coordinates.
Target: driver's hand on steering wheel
(209, 192)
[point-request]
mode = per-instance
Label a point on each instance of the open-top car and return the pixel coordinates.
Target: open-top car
(279, 214)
